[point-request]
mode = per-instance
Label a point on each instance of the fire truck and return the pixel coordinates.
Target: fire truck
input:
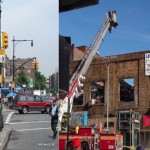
(90, 139)
(110, 140)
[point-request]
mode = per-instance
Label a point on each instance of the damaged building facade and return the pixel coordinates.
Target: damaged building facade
(122, 81)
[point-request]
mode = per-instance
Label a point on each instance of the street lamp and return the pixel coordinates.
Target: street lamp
(15, 42)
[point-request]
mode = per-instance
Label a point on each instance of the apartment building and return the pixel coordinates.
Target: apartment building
(19, 64)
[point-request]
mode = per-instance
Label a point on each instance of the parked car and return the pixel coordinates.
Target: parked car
(28, 102)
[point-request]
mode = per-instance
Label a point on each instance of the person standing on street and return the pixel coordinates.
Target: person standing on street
(53, 112)
(5, 102)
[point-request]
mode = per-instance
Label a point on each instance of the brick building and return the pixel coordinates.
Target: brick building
(124, 76)
(27, 67)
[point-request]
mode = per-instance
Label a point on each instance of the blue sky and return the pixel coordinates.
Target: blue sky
(33, 20)
(131, 35)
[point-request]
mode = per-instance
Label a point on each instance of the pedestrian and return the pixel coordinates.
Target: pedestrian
(53, 112)
(5, 102)
(114, 19)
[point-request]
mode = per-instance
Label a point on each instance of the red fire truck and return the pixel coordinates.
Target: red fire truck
(110, 140)
(90, 139)
(85, 134)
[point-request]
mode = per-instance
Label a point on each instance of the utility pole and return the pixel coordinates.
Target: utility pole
(0, 43)
(68, 116)
(107, 96)
(1, 115)
(0, 21)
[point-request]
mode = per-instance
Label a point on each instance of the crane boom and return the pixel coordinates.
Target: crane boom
(110, 22)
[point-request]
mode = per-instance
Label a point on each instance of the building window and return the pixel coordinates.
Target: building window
(78, 99)
(127, 90)
(98, 92)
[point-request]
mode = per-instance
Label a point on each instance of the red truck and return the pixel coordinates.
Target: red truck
(92, 140)
(110, 140)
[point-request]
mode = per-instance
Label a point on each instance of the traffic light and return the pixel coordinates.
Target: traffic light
(33, 64)
(4, 40)
(36, 65)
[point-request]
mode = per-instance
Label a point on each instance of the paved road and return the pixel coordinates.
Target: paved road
(30, 131)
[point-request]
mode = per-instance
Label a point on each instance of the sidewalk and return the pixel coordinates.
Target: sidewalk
(4, 136)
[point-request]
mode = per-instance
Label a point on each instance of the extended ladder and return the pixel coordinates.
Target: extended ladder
(110, 22)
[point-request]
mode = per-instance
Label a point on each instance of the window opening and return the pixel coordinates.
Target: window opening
(78, 100)
(127, 90)
(98, 92)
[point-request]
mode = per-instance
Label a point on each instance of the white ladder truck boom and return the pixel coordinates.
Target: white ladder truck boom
(110, 22)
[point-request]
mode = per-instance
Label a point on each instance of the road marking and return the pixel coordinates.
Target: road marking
(53, 144)
(21, 130)
(8, 118)
(28, 122)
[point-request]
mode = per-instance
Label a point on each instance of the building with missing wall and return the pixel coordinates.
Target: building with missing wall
(121, 80)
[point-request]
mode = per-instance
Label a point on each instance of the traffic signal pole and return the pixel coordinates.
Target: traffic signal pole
(14, 45)
(24, 63)
(13, 58)
(0, 21)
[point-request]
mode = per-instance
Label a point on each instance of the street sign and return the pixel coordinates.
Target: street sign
(31, 82)
(147, 64)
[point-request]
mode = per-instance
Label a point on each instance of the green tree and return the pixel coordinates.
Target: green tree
(40, 81)
(52, 90)
(21, 79)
